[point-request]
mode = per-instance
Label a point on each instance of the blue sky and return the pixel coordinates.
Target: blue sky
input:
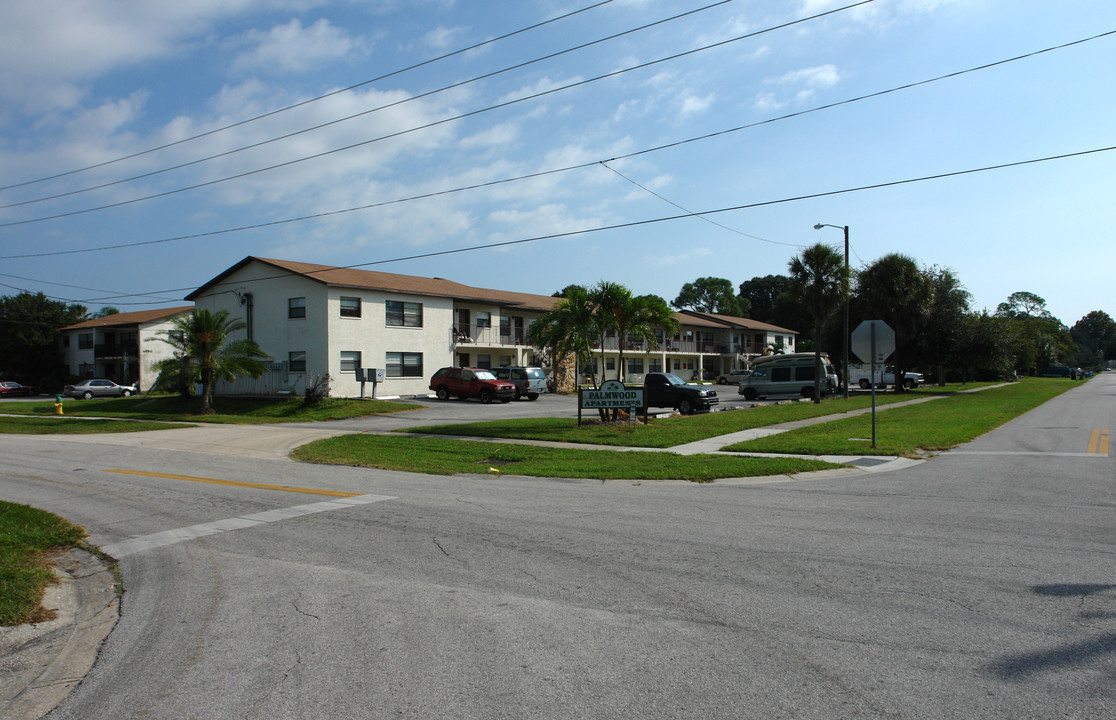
(89, 82)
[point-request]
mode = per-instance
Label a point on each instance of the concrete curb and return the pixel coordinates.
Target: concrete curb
(41, 663)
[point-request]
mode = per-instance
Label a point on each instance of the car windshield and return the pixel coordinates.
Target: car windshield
(673, 379)
(484, 375)
(536, 374)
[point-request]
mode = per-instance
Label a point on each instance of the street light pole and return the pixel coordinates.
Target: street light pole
(845, 377)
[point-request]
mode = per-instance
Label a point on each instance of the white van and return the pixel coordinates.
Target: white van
(787, 375)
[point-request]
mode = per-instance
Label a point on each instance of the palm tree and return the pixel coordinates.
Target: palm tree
(820, 281)
(897, 291)
(568, 327)
(638, 316)
(205, 353)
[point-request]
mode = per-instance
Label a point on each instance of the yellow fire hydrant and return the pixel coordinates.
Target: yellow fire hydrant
(58, 405)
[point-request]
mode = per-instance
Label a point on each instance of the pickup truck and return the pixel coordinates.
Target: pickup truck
(860, 374)
(668, 390)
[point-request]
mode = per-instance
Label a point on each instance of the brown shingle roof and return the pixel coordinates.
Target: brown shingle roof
(130, 318)
(737, 322)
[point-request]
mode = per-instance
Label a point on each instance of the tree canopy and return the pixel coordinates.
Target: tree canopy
(820, 282)
(711, 295)
(29, 338)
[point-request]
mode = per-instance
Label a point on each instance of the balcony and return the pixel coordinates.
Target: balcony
(116, 351)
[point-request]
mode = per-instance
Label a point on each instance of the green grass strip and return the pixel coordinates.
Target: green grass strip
(78, 426)
(27, 537)
(668, 432)
(911, 430)
(448, 457)
(229, 410)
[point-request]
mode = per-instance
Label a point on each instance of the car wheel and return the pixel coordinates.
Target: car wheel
(807, 392)
(87, 395)
(909, 384)
(486, 396)
(442, 392)
(865, 385)
(532, 396)
(750, 394)
(722, 381)
(686, 406)
(518, 394)
(126, 393)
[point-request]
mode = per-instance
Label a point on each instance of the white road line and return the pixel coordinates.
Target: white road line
(143, 543)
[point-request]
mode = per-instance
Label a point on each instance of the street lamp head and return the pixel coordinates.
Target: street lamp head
(819, 226)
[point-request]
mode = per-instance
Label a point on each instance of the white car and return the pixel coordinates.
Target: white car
(732, 377)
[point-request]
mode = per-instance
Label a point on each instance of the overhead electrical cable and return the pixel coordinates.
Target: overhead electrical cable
(670, 218)
(543, 173)
(272, 113)
(363, 113)
(436, 123)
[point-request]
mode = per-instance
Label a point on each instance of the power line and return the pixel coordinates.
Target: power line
(543, 173)
(311, 100)
(436, 123)
(397, 103)
(688, 215)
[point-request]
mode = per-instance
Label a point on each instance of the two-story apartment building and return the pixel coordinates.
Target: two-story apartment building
(117, 347)
(314, 320)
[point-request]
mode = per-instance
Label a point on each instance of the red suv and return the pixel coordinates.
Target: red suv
(467, 382)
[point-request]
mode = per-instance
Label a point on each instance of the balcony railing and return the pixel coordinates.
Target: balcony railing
(487, 335)
(108, 351)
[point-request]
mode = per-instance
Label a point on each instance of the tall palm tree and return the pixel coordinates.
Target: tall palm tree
(569, 327)
(638, 316)
(204, 352)
(820, 281)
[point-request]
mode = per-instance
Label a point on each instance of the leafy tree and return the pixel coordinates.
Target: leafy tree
(1038, 338)
(762, 294)
(1093, 334)
(939, 342)
(820, 281)
(205, 352)
(104, 312)
(984, 347)
(895, 290)
(29, 338)
(711, 295)
(634, 316)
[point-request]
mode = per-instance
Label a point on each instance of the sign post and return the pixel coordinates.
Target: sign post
(874, 341)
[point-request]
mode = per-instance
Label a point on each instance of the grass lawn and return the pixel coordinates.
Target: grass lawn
(27, 537)
(937, 425)
(229, 410)
(76, 426)
(448, 457)
(668, 432)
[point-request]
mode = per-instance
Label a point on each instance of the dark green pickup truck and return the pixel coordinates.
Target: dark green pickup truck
(668, 390)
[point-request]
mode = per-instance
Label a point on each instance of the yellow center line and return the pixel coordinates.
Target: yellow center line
(234, 483)
(1098, 443)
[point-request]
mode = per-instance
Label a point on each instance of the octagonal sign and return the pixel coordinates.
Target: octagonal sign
(861, 341)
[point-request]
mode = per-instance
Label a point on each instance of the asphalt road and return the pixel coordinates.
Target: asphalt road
(981, 584)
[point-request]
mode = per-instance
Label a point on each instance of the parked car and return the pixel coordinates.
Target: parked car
(1056, 371)
(787, 375)
(529, 381)
(662, 389)
(470, 382)
(10, 388)
(88, 389)
(732, 377)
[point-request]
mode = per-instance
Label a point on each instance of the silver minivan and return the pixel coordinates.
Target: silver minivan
(529, 381)
(791, 375)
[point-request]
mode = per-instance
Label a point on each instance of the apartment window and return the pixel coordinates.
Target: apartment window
(484, 319)
(655, 365)
(506, 359)
(635, 365)
(65, 341)
(296, 307)
(85, 341)
(610, 363)
(350, 307)
(404, 314)
(404, 364)
(505, 328)
(296, 361)
(350, 361)
(484, 361)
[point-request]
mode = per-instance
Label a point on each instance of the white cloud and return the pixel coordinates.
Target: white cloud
(821, 76)
(692, 104)
(293, 48)
(442, 38)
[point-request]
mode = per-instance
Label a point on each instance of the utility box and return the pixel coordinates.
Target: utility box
(373, 375)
